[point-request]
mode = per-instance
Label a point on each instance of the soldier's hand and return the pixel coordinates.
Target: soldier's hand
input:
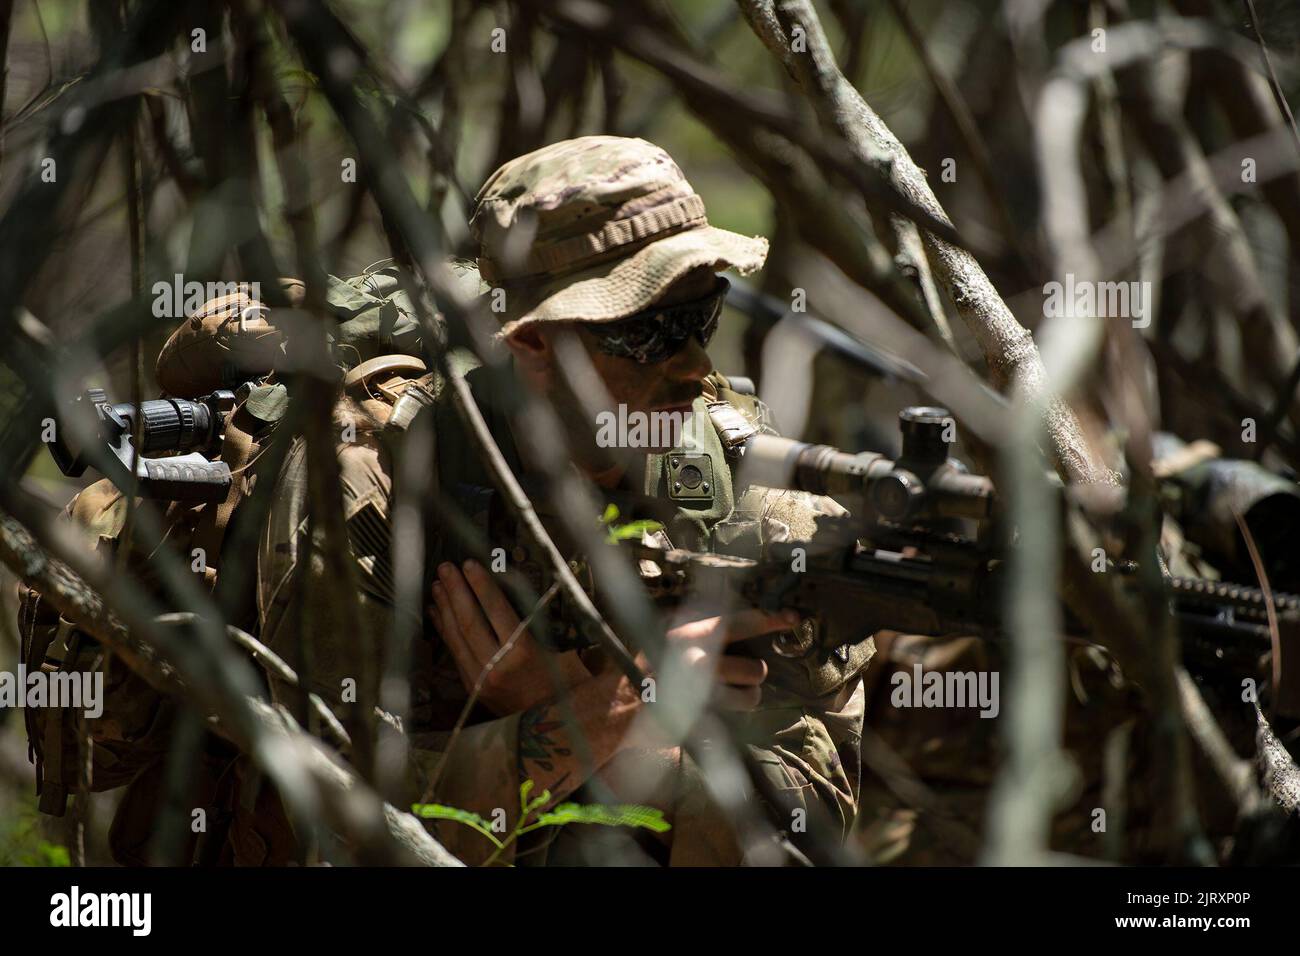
(476, 620)
(703, 645)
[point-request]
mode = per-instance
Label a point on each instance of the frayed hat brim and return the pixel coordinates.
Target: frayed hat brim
(622, 287)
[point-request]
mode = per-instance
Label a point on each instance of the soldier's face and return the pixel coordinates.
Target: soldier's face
(667, 386)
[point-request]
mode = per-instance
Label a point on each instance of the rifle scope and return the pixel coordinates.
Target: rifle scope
(923, 483)
(170, 426)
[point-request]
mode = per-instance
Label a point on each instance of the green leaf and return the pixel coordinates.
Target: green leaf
(622, 532)
(436, 811)
(633, 529)
(617, 815)
(527, 806)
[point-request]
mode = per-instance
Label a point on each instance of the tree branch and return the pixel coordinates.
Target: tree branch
(1007, 346)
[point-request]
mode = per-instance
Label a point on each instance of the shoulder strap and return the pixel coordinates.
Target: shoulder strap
(737, 415)
(238, 448)
(733, 428)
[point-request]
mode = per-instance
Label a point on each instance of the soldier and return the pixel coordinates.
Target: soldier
(600, 238)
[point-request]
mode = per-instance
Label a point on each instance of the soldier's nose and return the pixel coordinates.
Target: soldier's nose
(691, 364)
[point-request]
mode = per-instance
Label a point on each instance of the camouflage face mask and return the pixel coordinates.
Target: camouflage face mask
(659, 332)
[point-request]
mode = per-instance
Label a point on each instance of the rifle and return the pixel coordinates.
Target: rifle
(922, 554)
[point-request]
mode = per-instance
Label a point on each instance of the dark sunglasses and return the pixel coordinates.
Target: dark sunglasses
(659, 332)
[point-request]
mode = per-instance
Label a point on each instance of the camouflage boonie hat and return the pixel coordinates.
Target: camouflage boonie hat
(595, 229)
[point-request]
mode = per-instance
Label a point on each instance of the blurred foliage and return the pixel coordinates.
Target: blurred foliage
(23, 843)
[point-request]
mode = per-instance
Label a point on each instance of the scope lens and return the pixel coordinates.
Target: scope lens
(174, 424)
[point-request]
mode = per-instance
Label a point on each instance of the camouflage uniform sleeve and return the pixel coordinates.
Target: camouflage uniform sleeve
(807, 749)
(811, 748)
(808, 731)
(807, 734)
(480, 773)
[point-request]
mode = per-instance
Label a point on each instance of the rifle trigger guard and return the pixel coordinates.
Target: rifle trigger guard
(793, 644)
